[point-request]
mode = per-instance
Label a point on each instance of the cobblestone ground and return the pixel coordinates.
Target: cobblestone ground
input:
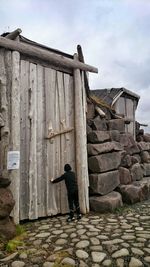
(121, 239)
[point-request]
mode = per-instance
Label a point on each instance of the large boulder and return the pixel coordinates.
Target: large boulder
(126, 160)
(146, 169)
(117, 124)
(115, 135)
(124, 176)
(129, 143)
(136, 172)
(143, 146)
(146, 137)
(98, 137)
(7, 228)
(145, 157)
(106, 203)
(6, 202)
(95, 149)
(104, 162)
(133, 193)
(99, 124)
(144, 182)
(104, 183)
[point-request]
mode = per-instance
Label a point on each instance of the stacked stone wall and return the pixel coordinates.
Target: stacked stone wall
(119, 166)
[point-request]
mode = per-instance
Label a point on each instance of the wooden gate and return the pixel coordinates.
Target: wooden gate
(47, 139)
(42, 115)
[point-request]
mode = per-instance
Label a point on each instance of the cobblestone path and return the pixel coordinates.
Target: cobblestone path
(121, 239)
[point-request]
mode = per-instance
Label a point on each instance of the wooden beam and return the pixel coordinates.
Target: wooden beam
(45, 55)
(53, 134)
(81, 59)
(13, 35)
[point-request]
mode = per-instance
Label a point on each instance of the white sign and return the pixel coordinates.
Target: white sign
(13, 160)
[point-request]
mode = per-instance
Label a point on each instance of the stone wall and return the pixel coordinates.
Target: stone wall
(7, 226)
(119, 166)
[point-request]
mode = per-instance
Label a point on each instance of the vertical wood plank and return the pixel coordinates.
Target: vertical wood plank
(24, 134)
(33, 210)
(81, 150)
(50, 85)
(15, 130)
(63, 148)
(41, 177)
(5, 131)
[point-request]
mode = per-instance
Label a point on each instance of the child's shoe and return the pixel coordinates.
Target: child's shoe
(70, 219)
(79, 216)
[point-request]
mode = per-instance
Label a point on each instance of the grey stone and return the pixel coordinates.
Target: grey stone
(99, 124)
(126, 160)
(129, 143)
(48, 264)
(43, 235)
(107, 263)
(68, 260)
(106, 203)
(17, 264)
(146, 137)
(124, 176)
(146, 169)
(145, 157)
(117, 124)
(105, 162)
(120, 253)
(143, 146)
(83, 244)
(98, 256)
(115, 135)
(95, 149)
(133, 194)
(81, 254)
(136, 172)
(98, 137)
(6, 202)
(135, 263)
(104, 183)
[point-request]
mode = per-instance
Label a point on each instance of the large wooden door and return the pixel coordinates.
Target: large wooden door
(47, 107)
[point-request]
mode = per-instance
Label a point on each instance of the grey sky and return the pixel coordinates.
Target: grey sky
(114, 35)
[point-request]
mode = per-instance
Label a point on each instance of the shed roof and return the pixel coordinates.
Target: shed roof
(110, 96)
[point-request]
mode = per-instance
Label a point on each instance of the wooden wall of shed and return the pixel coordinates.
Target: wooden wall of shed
(127, 106)
(45, 105)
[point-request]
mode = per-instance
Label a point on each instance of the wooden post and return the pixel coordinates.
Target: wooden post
(4, 143)
(15, 130)
(48, 56)
(81, 59)
(81, 147)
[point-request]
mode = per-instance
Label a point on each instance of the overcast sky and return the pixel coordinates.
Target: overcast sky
(114, 35)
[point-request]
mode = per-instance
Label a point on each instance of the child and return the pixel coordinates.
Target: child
(72, 190)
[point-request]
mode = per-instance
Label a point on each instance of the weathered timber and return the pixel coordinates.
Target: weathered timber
(52, 135)
(15, 130)
(45, 55)
(4, 144)
(81, 151)
(13, 35)
(81, 59)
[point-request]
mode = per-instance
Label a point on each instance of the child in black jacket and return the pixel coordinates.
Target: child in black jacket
(72, 190)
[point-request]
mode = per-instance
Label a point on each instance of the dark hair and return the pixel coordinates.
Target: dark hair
(67, 168)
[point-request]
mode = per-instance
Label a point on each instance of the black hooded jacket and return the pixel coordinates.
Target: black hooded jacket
(70, 181)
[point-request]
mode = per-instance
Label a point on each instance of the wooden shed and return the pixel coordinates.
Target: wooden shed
(123, 101)
(43, 121)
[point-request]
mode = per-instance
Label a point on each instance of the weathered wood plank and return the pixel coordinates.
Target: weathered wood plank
(45, 55)
(63, 150)
(50, 84)
(41, 178)
(4, 144)
(24, 139)
(15, 130)
(81, 152)
(33, 210)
